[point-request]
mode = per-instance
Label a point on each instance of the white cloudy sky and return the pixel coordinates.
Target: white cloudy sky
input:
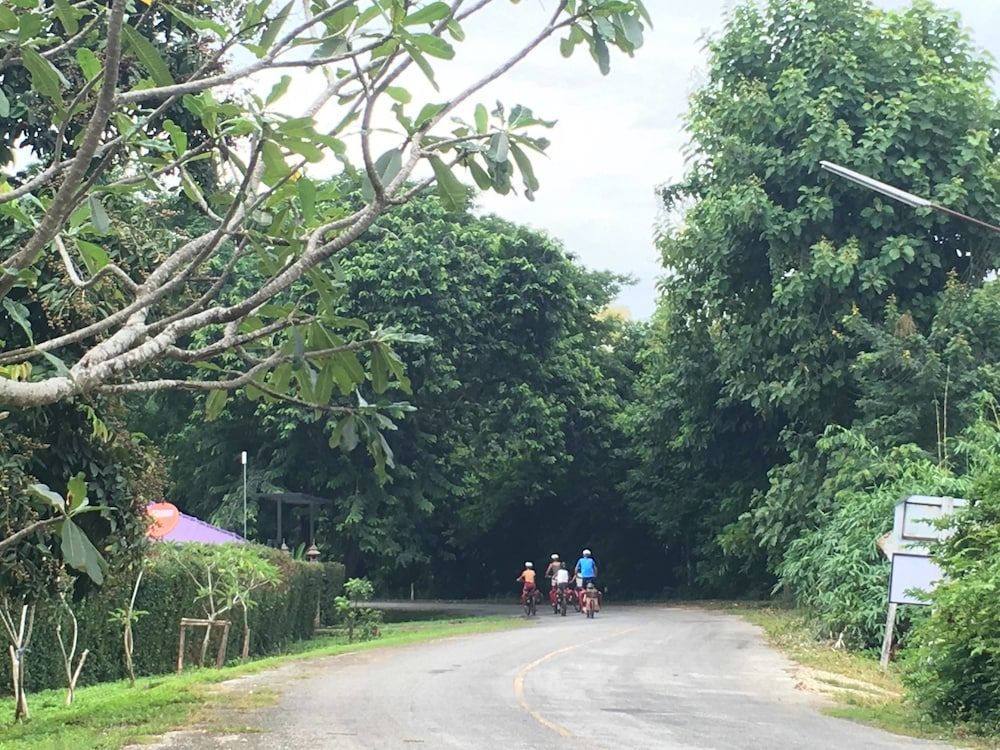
(618, 137)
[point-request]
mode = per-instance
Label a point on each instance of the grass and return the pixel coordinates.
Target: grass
(110, 715)
(862, 690)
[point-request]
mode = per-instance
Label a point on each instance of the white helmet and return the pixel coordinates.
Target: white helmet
(555, 556)
(529, 565)
(586, 553)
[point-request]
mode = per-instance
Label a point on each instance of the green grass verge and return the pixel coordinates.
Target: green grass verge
(110, 715)
(864, 692)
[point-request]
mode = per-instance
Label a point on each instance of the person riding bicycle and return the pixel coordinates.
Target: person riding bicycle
(561, 579)
(527, 577)
(550, 576)
(586, 569)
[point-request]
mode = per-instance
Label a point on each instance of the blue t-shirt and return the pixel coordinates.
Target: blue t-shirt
(586, 566)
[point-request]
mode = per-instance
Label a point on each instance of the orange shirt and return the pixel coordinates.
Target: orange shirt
(528, 576)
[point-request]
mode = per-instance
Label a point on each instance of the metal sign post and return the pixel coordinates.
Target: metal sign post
(243, 460)
(915, 527)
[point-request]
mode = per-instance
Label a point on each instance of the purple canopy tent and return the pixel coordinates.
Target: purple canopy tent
(191, 529)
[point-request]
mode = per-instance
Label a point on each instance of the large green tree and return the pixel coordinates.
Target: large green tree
(770, 257)
(513, 448)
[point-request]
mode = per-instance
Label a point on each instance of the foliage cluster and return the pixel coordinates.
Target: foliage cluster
(779, 319)
(517, 383)
(953, 667)
(361, 622)
(281, 614)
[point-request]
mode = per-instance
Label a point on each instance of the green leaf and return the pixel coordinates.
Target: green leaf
(149, 56)
(45, 78)
(380, 371)
(19, 314)
(57, 364)
(452, 192)
(54, 499)
(499, 147)
(271, 32)
(76, 492)
(278, 90)
(427, 113)
(348, 433)
(8, 20)
(94, 256)
(400, 94)
(67, 16)
(599, 49)
(190, 187)
(90, 66)
(178, 138)
(80, 553)
(196, 23)
(433, 46)
(275, 168)
(387, 166)
(306, 189)
(422, 63)
(632, 29)
(482, 119)
(4, 105)
(437, 11)
(98, 216)
(480, 175)
(215, 403)
(527, 171)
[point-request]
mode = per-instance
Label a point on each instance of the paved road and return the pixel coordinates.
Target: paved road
(638, 677)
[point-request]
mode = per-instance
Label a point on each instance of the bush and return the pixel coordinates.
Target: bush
(361, 623)
(954, 669)
(836, 571)
(283, 614)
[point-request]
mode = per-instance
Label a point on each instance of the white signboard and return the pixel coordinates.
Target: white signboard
(916, 517)
(909, 574)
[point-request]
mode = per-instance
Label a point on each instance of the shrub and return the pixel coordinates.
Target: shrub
(836, 571)
(361, 623)
(282, 614)
(954, 669)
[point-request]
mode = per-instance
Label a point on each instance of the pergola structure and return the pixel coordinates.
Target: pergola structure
(281, 499)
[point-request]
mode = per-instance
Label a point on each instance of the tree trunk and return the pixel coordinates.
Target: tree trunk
(245, 654)
(17, 680)
(129, 666)
(204, 644)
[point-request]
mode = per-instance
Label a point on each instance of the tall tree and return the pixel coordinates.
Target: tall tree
(514, 435)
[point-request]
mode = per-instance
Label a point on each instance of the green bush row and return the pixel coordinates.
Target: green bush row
(284, 613)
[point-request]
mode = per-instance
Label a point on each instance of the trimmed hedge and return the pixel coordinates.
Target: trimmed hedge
(284, 613)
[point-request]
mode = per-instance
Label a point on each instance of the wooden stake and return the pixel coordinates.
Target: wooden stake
(180, 651)
(220, 658)
(890, 626)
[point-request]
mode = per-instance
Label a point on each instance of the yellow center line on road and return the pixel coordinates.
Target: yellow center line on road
(523, 672)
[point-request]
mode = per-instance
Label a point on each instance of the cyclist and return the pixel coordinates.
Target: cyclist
(586, 569)
(550, 575)
(561, 580)
(527, 577)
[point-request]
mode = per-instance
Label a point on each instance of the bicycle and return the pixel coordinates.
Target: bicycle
(530, 602)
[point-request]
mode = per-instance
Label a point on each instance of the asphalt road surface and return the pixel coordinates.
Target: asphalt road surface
(640, 677)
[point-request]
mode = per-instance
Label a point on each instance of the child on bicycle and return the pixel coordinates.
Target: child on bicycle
(527, 577)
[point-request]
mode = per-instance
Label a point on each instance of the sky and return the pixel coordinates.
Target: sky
(618, 137)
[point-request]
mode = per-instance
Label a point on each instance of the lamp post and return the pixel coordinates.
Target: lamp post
(243, 460)
(914, 201)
